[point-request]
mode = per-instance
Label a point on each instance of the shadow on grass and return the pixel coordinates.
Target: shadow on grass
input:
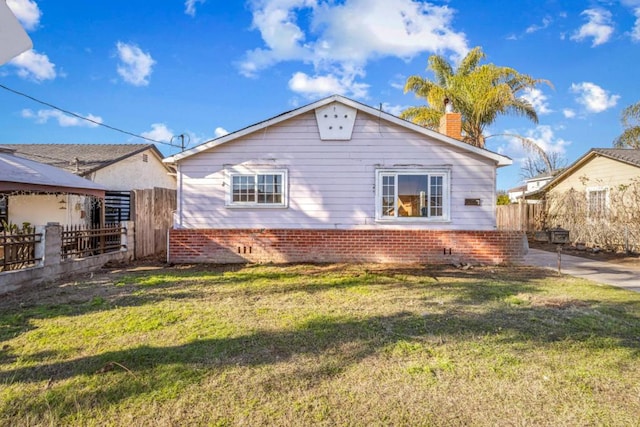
(131, 289)
(537, 324)
(334, 344)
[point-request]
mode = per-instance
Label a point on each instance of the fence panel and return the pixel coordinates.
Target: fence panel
(17, 249)
(521, 217)
(153, 216)
(82, 241)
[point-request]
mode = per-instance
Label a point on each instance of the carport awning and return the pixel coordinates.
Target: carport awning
(19, 174)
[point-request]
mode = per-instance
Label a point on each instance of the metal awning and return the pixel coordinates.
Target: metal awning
(19, 174)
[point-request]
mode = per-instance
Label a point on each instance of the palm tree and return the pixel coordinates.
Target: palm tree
(479, 92)
(630, 137)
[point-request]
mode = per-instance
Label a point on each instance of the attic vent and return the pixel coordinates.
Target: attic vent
(145, 158)
(335, 121)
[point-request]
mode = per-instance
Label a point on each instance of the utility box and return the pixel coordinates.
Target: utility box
(558, 235)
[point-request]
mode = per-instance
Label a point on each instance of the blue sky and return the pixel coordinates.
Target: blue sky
(205, 67)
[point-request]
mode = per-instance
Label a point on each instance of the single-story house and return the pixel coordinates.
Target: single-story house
(597, 198)
(337, 180)
(120, 168)
(35, 193)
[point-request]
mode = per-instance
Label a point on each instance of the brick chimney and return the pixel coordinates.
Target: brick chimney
(450, 122)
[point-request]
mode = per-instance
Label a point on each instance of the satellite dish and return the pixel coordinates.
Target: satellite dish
(13, 39)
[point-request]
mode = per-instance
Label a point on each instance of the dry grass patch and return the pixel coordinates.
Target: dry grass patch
(320, 345)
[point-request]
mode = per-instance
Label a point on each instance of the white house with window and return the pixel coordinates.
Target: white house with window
(336, 164)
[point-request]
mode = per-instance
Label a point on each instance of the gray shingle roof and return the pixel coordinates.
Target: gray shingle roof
(629, 155)
(80, 159)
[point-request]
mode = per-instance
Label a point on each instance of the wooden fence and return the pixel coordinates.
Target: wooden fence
(17, 249)
(153, 216)
(521, 217)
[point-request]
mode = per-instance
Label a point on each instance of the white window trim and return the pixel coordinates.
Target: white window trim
(446, 195)
(590, 190)
(229, 203)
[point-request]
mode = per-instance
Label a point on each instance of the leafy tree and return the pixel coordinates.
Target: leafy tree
(479, 92)
(503, 198)
(630, 137)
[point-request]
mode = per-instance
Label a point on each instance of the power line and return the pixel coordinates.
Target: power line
(82, 117)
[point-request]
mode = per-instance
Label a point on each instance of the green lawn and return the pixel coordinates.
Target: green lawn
(356, 345)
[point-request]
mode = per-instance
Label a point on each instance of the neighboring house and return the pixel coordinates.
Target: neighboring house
(598, 198)
(531, 186)
(118, 167)
(35, 193)
(337, 180)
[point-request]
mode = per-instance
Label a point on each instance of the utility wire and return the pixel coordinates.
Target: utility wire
(82, 117)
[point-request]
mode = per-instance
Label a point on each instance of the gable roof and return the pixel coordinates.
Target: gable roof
(81, 159)
(625, 155)
(630, 156)
(498, 158)
(20, 174)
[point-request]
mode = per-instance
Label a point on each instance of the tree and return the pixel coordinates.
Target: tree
(503, 198)
(479, 92)
(630, 137)
(536, 165)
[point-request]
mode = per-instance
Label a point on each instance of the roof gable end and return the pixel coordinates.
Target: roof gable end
(318, 106)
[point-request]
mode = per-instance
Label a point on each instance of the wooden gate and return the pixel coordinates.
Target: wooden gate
(153, 216)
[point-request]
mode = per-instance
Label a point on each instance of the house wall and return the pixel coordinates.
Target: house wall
(331, 183)
(39, 209)
(599, 171)
(385, 246)
(133, 173)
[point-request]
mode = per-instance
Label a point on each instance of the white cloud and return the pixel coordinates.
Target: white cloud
(537, 99)
(135, 66)
(34, 66)
(159, 132)
(393, 109)
(398, 81)
(594, 98)
(220, 132)
(599, 26)
(635, 32)
(569, 113)
(319, 86)
(546, 21)
(543, 136)
(64, 120)
(27, 12)
(190, 6)
(343, 36)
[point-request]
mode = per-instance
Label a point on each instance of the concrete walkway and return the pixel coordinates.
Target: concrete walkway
(620, 275)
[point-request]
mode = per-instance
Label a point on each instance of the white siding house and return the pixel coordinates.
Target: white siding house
(336, 165)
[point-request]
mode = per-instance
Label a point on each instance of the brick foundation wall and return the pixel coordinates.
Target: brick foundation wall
(383, 246)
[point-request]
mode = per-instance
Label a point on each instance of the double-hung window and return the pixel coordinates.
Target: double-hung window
(597, 202)
(416, 194)
(258, 189)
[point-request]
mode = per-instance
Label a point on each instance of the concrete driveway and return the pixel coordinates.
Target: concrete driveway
(623, 276)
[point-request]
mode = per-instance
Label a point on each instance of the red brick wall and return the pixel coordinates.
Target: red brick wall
(385, 246)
